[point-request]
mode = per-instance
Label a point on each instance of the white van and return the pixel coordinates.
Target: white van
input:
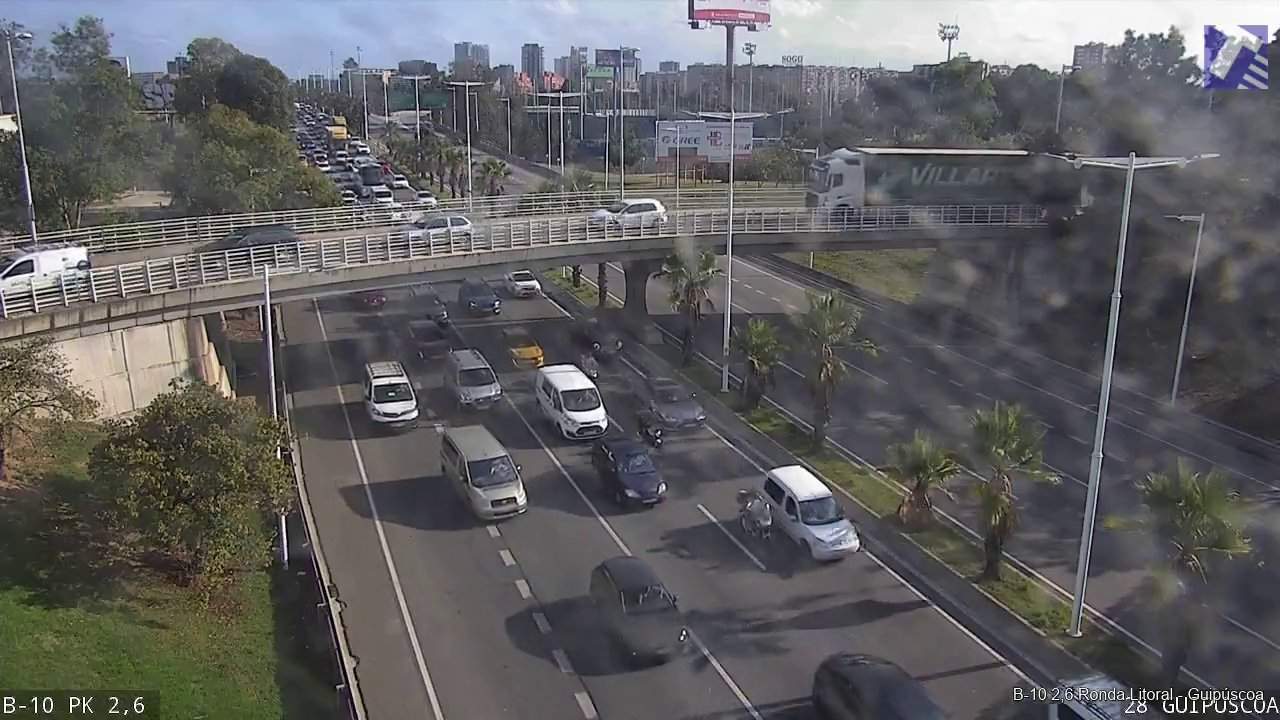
(35, 262)
(383, 195)
(802, 507)
(388, 395)
(482, 472)
(568, 398)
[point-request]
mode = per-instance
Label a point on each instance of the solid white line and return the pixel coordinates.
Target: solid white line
(562, 661)
(540, 620)
(930, 370)
(1079, 440)
(744, 284)
(868, 373)
(584, 703)
(750, 555)
(523, 586)
(493, 530)
(791, 307)
(957, 383)
(507, 558)
(733, 687)
(377, 524)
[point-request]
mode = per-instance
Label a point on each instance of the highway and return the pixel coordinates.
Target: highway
(920, 382)
(451, 618)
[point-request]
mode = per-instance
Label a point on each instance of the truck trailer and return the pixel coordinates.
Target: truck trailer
(867, 177)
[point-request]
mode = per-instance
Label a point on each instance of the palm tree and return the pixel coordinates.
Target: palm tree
(830, 324)
(602, 284)
(762, 350)
(440, 155)
(922, 466)
(1009, 441)
(493, 175)
(1197, 518)
(690, 292)
(455, 163)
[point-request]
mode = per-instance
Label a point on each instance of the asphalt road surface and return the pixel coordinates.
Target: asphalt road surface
(453, 618)
(919, 382)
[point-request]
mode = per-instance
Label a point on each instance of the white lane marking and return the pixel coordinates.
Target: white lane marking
(1251, 632)
(418, 658)
(1076, 439)
(908, 360)
(540, 620)
(955, 382)
(746, 285)
(1118, 455)
(562, 661)
(493, 530)
(714, 521)
(985, 396)
(507, 558)
(758, 292)
(733, 686)
(776, 299)
(584, 703)
(523, 586)
(930, 370)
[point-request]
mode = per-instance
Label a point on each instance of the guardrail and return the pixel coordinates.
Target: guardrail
(181, 272)
(158, 233)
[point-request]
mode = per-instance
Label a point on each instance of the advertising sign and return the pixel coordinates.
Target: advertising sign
(702, 141)
(157, 95)
(729, 12)
(607, 58)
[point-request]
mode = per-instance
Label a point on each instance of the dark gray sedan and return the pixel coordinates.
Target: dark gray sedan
(674, 406)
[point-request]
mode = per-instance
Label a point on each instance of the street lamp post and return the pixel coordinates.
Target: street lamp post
(1130, 165)
(1186, 313)
(1062, 83)
(732, 117)
(622, 133)
(676, 128)
(561, 96)
(9, 37)
(466, 86)
(507, 101)
(417, 105)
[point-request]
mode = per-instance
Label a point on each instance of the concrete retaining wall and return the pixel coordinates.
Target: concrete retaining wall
(126, 369)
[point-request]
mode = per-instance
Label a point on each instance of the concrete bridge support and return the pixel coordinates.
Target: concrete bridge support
(635, 306)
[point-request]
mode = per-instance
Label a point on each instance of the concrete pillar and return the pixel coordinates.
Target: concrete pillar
(635, 304)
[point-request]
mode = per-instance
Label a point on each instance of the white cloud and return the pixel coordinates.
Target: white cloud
(797, 8)
(783, 32)
(562, 7)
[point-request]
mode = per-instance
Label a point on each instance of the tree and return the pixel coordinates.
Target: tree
(22, 54)
(456, 164)
(602, 285)
(690, 281)
(256, 87)
(228, 163)
(1009, 442)
(36, 388)
(197, 90)
(493, 174)
(350, 64)
(922, 466)
(761, 349)
(195, 474)
(440, 155)
(829, 325)
(1198, 519)
(634, 153)
(82, 132)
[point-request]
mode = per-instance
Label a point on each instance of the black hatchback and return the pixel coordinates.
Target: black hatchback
(475, 296)
(641, 616)
(605, 343)
(852, 686)
(627, 473)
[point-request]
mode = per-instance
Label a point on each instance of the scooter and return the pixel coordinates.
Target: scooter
(650, 431)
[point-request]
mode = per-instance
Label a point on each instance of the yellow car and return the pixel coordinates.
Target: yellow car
(525, 351)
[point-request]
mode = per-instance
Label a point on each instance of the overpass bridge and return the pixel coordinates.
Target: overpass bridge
(189, 285)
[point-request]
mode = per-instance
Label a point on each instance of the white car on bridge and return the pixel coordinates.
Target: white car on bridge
(440, 227)
(632, 213)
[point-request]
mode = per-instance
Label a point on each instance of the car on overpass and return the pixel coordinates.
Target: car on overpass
(631, 213)
(257, 236)
(440, 228)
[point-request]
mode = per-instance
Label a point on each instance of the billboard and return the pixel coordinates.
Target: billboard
(729, 12)
(599, 72)
(702, 141)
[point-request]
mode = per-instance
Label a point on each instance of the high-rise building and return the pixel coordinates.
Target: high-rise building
(669, 66)
(417, 67)
(577, 65)
(469, 59)
(562, 66)
(179, 66)
(531, 63)
(506, 77)
(1089, 55)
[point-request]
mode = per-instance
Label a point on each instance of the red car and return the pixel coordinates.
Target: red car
(372, 298)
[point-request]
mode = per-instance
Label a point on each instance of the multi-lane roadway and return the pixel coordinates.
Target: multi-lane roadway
(453, 618)
(921, 381)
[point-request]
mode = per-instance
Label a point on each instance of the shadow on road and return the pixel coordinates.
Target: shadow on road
(424, 503)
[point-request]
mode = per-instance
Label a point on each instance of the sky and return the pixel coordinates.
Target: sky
(298, 36)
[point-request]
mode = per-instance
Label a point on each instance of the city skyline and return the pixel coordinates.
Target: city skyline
(1011, 32)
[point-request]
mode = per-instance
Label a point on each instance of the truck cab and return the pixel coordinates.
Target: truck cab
(837, 180)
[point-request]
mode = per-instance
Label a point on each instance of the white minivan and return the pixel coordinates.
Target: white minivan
(33, 263)
(388, 395)
(568, 398)
(802, 507)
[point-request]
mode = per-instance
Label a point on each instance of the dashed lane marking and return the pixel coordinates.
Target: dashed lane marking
(493, 531)
(523, 586)
(562, 661)
(540, 620)
(507, 558)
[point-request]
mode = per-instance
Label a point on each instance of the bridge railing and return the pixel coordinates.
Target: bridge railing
(158, 233)
(182, 272)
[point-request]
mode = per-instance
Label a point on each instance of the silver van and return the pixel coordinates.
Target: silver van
(482, 472)
(470, 380)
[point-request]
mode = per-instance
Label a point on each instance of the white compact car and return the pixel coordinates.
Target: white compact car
(400, 182)
(632, 213)
(440, 227)
(388, 395)
(522, 283)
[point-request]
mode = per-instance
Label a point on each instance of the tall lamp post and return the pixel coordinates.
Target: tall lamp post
(561, 96)
(749, 49)
(1186, 313)
(732, 117)
(466, 86)
(1062, 83)
(417, 104)
(622, 133)
(507, 101)
(9, 37)
(1130, 164)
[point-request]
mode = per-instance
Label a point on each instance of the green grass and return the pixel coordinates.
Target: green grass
(896, 274)
(586, 293)
(77, 612)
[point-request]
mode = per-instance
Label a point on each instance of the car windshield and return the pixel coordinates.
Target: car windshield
(638, 462)
(649, 601)
(821, 511)
(392, 392)
(522, 276)
(618, 206)
(478, 292)
(670, 393)
(476, 377)
(581, 400)
(492, 472)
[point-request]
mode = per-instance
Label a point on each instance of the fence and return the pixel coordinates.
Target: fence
(158, 233)
(181, 272)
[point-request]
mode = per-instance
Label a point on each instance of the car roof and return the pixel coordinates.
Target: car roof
(802, 483)
(385, 370)
(630, 573)
(624, 446)
(475, 442)
(469, 359)
(566, 377)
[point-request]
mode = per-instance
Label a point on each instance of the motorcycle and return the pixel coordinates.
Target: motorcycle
(589, 366)
(650, 430)
(754, 514)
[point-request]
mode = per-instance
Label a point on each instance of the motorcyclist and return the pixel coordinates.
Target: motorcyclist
(587, 363)
(755, 511)
(650, 428)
